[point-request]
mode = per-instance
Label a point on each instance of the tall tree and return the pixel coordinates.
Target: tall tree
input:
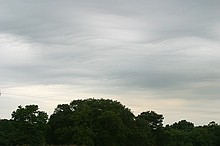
(30, 124)
(155, 122)
(91, 122)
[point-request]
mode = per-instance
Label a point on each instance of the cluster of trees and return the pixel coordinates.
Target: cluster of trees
(27, 126)
(101, 122)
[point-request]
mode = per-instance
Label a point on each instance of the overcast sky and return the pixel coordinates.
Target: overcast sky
(148, 54)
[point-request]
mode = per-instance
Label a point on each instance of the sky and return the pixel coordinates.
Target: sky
(148, 54)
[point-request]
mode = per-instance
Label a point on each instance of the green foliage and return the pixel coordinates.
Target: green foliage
(155, 122)
(100, 122)
(184, 133)
(142, 133)
(183, 125)
(175, 137)
(201, 136)
(91, 122)
(29, 125)
(7, 132)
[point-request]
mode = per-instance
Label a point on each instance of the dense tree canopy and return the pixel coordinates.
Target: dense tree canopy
(7, 132)
(184, 133)
(91, 122)
(27, 126)
(101, 122)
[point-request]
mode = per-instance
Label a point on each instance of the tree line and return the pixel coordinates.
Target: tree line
(101, 122)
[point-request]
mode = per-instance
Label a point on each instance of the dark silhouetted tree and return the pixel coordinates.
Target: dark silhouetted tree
(91, 122)
(30, 124)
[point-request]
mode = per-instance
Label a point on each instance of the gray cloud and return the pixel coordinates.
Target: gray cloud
(127, 48)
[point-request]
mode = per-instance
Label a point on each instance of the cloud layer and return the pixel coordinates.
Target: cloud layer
(148, 51)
